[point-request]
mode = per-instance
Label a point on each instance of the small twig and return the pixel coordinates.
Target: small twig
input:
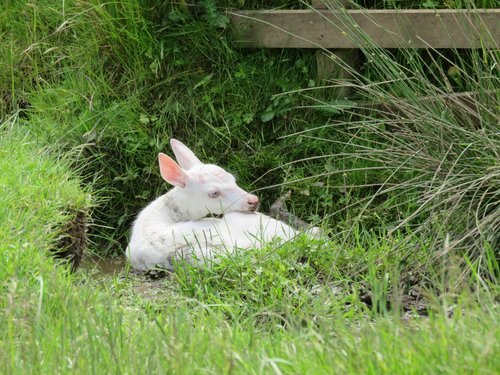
(278, 211)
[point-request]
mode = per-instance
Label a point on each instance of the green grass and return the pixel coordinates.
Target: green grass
(262, 312)
(91, 91)
(177, 344)
(118, 96)
(120, 93)
(65, 323)
(39, 195)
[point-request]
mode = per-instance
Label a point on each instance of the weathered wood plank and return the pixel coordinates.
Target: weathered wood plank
(444, 28)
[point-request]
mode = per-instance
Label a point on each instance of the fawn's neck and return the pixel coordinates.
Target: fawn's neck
(177, 209)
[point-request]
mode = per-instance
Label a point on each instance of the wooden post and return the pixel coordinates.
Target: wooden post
(328, 66)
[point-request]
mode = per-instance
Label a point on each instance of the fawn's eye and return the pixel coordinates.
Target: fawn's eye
(213, 194)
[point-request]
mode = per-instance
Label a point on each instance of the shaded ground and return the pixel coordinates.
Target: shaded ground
(73, 240)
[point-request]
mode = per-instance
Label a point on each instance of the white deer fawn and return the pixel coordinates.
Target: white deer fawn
(174, 225)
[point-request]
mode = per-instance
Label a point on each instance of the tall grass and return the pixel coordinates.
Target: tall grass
(405, 184)
(40, 195)
(427, 123)
(117, 80)
(242, 320)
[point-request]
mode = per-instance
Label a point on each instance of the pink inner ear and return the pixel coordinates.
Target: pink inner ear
(185, 157)
(170, 171)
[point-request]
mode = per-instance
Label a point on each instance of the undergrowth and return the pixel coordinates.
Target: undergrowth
(403, 176)
(145, 73)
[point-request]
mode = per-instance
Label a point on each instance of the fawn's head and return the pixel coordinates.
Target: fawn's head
(203, 188)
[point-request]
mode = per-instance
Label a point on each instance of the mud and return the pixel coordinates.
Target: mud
(148, 285)
(106, 267)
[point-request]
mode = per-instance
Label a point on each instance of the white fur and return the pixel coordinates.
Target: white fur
(174, 226)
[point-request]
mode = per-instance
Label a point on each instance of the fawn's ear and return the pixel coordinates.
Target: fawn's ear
(170, 171)
(185, 157)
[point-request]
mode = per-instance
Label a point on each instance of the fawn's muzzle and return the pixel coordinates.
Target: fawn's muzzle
(253, 202)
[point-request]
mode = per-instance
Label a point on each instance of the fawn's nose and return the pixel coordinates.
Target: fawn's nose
(253, 202)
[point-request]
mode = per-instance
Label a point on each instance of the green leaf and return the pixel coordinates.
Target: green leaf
(143, 118)
(204, 81)
(248, 118)
(267, 116)
(336, 106)
(221, 21)
(430, 4)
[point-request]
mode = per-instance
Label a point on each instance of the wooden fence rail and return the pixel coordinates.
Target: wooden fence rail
(443, 28)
